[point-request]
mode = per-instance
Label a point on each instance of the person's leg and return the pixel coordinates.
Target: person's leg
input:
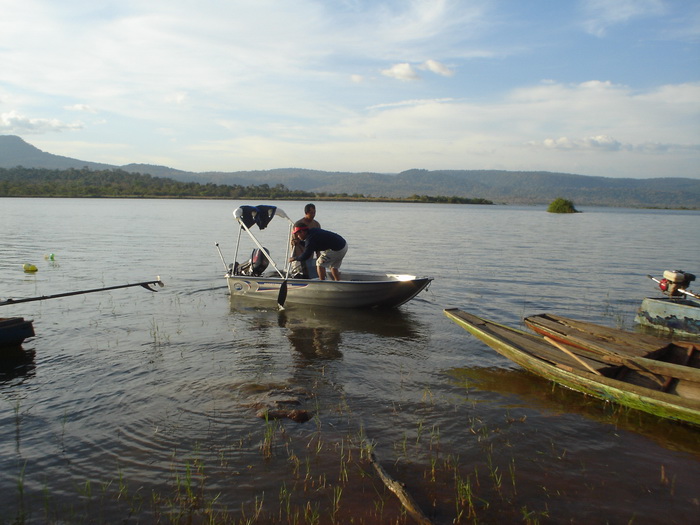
(335, 273)
(321, 272)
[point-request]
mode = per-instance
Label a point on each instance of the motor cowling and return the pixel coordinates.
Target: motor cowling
(675, 280)
(256, 265)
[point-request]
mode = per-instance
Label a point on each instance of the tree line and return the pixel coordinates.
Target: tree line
(117, 183)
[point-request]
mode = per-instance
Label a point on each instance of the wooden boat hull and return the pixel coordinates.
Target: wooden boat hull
(670, 314)
(13, 331)
(535, 354)
(354, 291)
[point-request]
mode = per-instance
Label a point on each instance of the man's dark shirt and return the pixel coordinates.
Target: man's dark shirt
(318, 240)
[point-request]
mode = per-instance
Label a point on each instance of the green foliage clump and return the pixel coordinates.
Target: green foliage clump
(560, 205)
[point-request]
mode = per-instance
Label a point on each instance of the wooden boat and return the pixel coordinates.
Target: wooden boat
(676, 315)
(354, 290)
(638, 372)
(14, 330)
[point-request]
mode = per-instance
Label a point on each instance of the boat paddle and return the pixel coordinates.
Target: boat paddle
(282, 297)
(145, 284)
(686, 292)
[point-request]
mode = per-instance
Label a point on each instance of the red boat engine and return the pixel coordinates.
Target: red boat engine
(674, 281)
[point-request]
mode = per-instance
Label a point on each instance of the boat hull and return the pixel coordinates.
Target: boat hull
(526, 349)
(13, 331)
(678, 316)
(354, 291)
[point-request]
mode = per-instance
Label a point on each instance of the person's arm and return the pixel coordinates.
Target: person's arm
(308, 252)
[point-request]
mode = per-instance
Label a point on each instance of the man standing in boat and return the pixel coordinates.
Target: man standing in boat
(308, 268)
(332, 248)
(310, 216)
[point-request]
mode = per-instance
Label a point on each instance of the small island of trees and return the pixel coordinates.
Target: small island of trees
(561, 205)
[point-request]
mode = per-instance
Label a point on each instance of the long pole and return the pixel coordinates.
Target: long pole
(222, 257)
(145, 284)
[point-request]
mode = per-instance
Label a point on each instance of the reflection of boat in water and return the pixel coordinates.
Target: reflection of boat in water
(394, 323)
(523, 389)
(18, 363)
(383, 323)
(320, 332)
(13, 332)
(354, 290)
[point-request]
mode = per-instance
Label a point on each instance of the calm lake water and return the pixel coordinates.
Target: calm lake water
(137, 407)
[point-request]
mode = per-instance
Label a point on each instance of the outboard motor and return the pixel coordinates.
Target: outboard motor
(674, 281)
(256, 265)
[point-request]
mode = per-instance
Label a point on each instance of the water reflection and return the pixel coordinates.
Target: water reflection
(539, 394)
(319, 333)
(312, 342)
(17, 364)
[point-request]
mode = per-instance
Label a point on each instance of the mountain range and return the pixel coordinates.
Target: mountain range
(499, 186)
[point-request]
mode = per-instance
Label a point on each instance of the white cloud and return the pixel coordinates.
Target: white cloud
(80, 108)
(405, 103)
(403, 71)
(406, 72)
(176, 98)
(602, 142)
(437, 68)
(599, 15)
(15, 124)
(607, 143)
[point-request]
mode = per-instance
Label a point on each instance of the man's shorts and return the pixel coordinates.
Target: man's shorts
(332, 258)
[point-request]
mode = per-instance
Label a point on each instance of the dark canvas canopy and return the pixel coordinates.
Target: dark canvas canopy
(260, 215)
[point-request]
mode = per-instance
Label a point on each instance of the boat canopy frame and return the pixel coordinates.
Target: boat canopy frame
(262, 215)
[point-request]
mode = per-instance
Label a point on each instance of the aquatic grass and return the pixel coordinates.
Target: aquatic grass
(671, 484)
(267, 444)
(531, 517)
(285, 498)
(511, 470)
(21, 513)
(336, 496)
(435, 437)
(325, 471)
(159, 338)
(419, 432)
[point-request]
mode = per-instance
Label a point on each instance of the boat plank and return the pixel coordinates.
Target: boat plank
(616, 354)
(525, 344)
(632, 344)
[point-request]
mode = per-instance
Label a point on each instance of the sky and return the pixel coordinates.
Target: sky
(595, 87)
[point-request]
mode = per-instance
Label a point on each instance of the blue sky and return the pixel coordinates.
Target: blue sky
(597, 87)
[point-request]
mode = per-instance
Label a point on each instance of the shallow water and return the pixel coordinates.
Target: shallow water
(136, 406)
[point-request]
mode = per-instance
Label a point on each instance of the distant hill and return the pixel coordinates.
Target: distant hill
(16, 152)
(511, 187)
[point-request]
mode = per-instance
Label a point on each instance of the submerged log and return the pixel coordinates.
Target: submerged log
(398, 489)
(299, 416)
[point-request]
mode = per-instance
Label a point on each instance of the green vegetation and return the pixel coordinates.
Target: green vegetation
(562, 206)
(36, 182)
(117, 183)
